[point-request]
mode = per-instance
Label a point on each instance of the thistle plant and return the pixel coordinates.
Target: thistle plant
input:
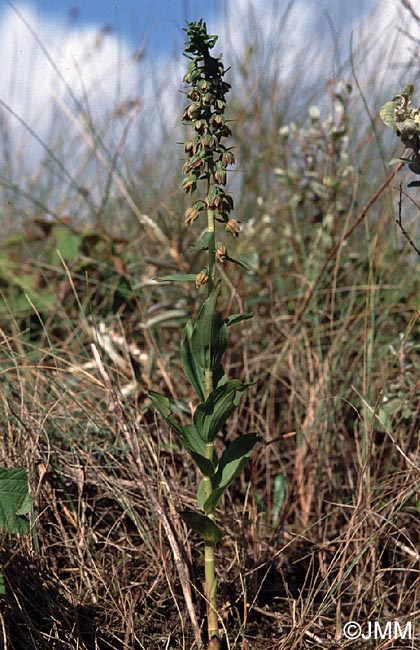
(404, 119)
(206, 337)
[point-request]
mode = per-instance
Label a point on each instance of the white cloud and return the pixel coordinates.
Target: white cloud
(294, 38)
(100, 70)
(51, 73)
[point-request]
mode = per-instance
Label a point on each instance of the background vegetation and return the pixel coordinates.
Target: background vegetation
(324, 528)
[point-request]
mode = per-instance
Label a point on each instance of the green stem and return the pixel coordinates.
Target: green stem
(212, 249)
(209, 561)
(211, 591)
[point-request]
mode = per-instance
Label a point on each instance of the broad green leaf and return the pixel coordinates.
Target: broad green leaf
(190, 442)
(67, 243)
(237, 318)
(202, 525)
(387, 114)
(231, 464)
(209, 334)
(178, 277)
(203, 242)
(210, 416)
(15, 502)
(21, 303)
(192, 369)
(187, 435)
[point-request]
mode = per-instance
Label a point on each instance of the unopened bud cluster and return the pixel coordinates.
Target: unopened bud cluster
(208, 158)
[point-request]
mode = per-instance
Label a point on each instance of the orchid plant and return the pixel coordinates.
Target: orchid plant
(206, 337)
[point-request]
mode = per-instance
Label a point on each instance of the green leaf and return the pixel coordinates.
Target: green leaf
(237, 318)
(203, 243)
(201, 497)
(187, 435)
(67, 243)
(240, 263)
(177, 277)
(191, 368)
(202, 525)
(231, 464)
(210, 416)
(209, 334)
(387, 114)
(15, 501)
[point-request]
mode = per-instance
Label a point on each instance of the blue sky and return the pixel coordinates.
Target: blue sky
(159, 21)
(55, 57)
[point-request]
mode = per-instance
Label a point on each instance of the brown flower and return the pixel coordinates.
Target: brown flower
(232, 226)
(221, 253)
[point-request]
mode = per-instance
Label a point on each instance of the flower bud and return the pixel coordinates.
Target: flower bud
(232, 226)
(192, 112)
(219, 105)
(189, 146)
(209, 141)
(207, 99)
(220, 174)
(201, 279)
(189, 183)
(194, 164)
(224, 131)
(191, 215)
(201, 126)
(192, 146)
(217, 120)
(212, 197)
(193, 94)
(203, 85)
(221, 253)
(228, 158)
(227, 203)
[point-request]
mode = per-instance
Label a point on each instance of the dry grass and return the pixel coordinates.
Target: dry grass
(323, 527)
(339, 543)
